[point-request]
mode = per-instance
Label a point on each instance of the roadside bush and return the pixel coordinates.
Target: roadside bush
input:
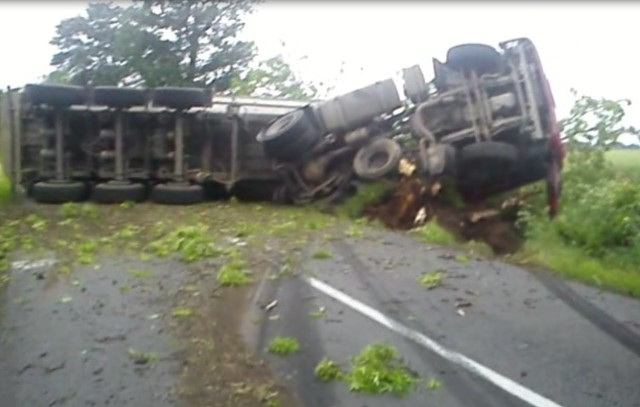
(600, 209)
(605, 217)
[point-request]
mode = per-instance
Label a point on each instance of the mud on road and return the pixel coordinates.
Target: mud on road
(89, 318)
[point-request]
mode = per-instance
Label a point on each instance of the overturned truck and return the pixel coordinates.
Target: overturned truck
(486, 120)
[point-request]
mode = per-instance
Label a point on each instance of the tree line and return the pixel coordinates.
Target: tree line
(152, 43)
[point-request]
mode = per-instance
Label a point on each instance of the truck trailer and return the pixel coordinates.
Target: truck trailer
(486, 120)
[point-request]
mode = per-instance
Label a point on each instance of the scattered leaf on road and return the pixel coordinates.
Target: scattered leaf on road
(431, 279)
(65, 299)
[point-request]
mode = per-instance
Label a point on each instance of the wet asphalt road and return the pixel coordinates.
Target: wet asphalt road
(67, 344)
(571, 344)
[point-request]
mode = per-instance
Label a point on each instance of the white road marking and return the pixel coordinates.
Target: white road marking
(23, 265)
(459, 359)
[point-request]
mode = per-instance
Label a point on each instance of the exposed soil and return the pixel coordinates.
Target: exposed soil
(401, 209)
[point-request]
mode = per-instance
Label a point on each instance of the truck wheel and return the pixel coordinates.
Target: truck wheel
(55, 95)
(59, 192)
(118, 192)
(285, 127)
(491, 152)
(289, 137)
(296, 150)
(377, 159)
(177, 194)
(113, 96)
(478, 58)
(179, 98)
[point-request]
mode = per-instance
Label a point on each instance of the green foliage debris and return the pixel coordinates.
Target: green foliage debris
(233, 273)
(328, 370)
(431, 279)
(191, 243)
(322, 254)
(377, 369)
(283, 345)
(431, 232)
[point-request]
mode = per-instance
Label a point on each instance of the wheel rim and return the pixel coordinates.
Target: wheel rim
(378, 160)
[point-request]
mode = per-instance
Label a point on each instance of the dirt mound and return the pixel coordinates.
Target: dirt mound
(413, 202)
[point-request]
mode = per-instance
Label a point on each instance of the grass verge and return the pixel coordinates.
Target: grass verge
(545, 248)
(366, 194)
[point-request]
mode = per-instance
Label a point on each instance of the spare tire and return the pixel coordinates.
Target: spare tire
(488, 151)
(180, 98)
(478, 58)
(377, 159)
(113, 96)
(55, 95)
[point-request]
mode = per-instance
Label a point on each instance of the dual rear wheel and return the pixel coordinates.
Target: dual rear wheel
(113, 192)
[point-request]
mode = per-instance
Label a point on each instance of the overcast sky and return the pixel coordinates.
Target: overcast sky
(588, 46)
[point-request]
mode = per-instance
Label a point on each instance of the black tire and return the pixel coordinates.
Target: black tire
(118, 192)
(366, 163)
(59, 192)
(296, 150)
(177, 194)
(55, 95)
(290, 136)
(489, 152)
(285, 126)
(478, 58)
(180, 98)
(255, 191)
(113, 96)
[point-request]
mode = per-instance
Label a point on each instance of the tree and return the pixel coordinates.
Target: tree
(272, 78)
(594, 125)
(154, 43)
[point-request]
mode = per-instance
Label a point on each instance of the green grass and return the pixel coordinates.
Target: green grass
(626, 161)
(546, 248)
(431, 232)
(366, 194)
(233, 274)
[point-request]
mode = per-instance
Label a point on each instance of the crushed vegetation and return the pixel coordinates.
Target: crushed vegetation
(142, 358)
(431, 279)
(322, 254)
(377, 369)
(328, 370)
(234, 273)
(283, 346)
